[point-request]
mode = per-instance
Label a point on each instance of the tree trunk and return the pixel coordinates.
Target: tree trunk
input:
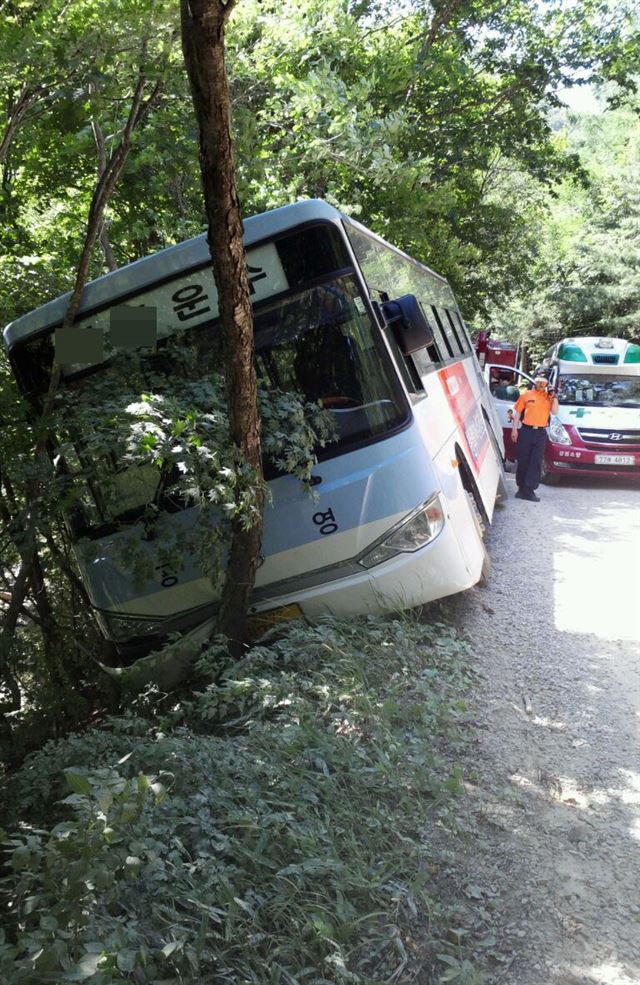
(28, 548)
(104, 189)
(17, 112)
(105, 243)
(52, 636)
(203, 23)
(10, 621)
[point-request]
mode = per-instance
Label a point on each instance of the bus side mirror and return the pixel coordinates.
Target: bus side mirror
(410, 327)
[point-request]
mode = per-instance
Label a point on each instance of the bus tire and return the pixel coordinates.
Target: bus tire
(486, 566)
(481, 530)
(469, 485)
(478, 515)
(502, 493)
(478, 518)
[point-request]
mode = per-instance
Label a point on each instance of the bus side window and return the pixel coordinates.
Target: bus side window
(449, 330)
(429, 357)
(444, 345)
(406, 364)
(456, 332)
(463, 334)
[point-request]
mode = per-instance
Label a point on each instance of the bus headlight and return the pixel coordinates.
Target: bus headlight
(558, 433)
(415, 531)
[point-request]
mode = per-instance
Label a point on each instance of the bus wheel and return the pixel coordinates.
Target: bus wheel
(480, 528)
(486, 566)
(478, 519)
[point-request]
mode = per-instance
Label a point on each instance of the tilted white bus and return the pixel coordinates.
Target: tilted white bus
(404, 490)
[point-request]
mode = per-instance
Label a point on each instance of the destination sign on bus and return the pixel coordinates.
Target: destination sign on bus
(168, 308)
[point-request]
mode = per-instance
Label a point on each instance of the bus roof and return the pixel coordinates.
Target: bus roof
(170, 263)
(164, 265)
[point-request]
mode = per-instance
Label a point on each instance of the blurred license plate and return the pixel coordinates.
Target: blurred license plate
(614, 460)
(263, 621)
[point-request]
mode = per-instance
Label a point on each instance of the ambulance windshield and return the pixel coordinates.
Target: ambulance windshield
(599, 390)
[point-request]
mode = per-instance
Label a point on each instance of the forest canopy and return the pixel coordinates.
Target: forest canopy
(438, 125)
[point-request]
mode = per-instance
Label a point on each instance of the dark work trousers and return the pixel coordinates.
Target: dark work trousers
(529, 452)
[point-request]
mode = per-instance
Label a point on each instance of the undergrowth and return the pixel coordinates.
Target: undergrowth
(272, 828)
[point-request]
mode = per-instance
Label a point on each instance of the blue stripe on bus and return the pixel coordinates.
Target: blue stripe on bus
(356, 487)
(383, 479)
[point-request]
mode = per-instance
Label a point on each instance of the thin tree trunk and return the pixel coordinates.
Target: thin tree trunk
(104, 190)
(9, 624)
(203, 24)
(105, 244)
(52, 637)
(17, 113)
(101, 196)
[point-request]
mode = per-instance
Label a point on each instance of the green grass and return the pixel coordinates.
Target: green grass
(273, 828)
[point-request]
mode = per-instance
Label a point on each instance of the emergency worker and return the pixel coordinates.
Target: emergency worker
(533, 408)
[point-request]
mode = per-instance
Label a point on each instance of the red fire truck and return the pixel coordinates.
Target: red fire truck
(502, 366)
(489, 350)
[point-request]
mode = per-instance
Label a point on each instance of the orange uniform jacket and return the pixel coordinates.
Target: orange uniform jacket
(534, 407)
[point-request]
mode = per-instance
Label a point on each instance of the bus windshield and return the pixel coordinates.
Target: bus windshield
(599, 390)
(320, 343)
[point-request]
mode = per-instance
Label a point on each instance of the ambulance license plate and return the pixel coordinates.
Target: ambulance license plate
(614, 459)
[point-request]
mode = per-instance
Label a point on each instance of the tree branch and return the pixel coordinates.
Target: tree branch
(27, 98)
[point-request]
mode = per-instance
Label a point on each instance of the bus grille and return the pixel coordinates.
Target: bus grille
(610, 360)
(610, 438)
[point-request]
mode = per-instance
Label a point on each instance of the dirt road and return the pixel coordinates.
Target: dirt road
(552, 826)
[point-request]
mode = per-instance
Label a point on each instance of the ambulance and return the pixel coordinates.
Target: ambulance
(597, 428)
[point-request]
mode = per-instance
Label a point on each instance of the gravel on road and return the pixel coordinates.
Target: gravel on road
(551, 814)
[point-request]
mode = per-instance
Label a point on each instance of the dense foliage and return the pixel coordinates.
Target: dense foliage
(272, 828)
(412, 118)
(585, 276)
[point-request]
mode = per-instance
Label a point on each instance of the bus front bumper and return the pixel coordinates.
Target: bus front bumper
(407, 580)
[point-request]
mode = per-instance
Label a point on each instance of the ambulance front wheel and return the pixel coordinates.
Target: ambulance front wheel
(549, 478)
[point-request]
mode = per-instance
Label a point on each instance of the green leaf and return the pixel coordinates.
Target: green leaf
(451, 974)
(126, 959)
(78, 783)
(171, 947)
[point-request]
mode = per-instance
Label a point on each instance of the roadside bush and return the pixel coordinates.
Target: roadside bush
(274, 829)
